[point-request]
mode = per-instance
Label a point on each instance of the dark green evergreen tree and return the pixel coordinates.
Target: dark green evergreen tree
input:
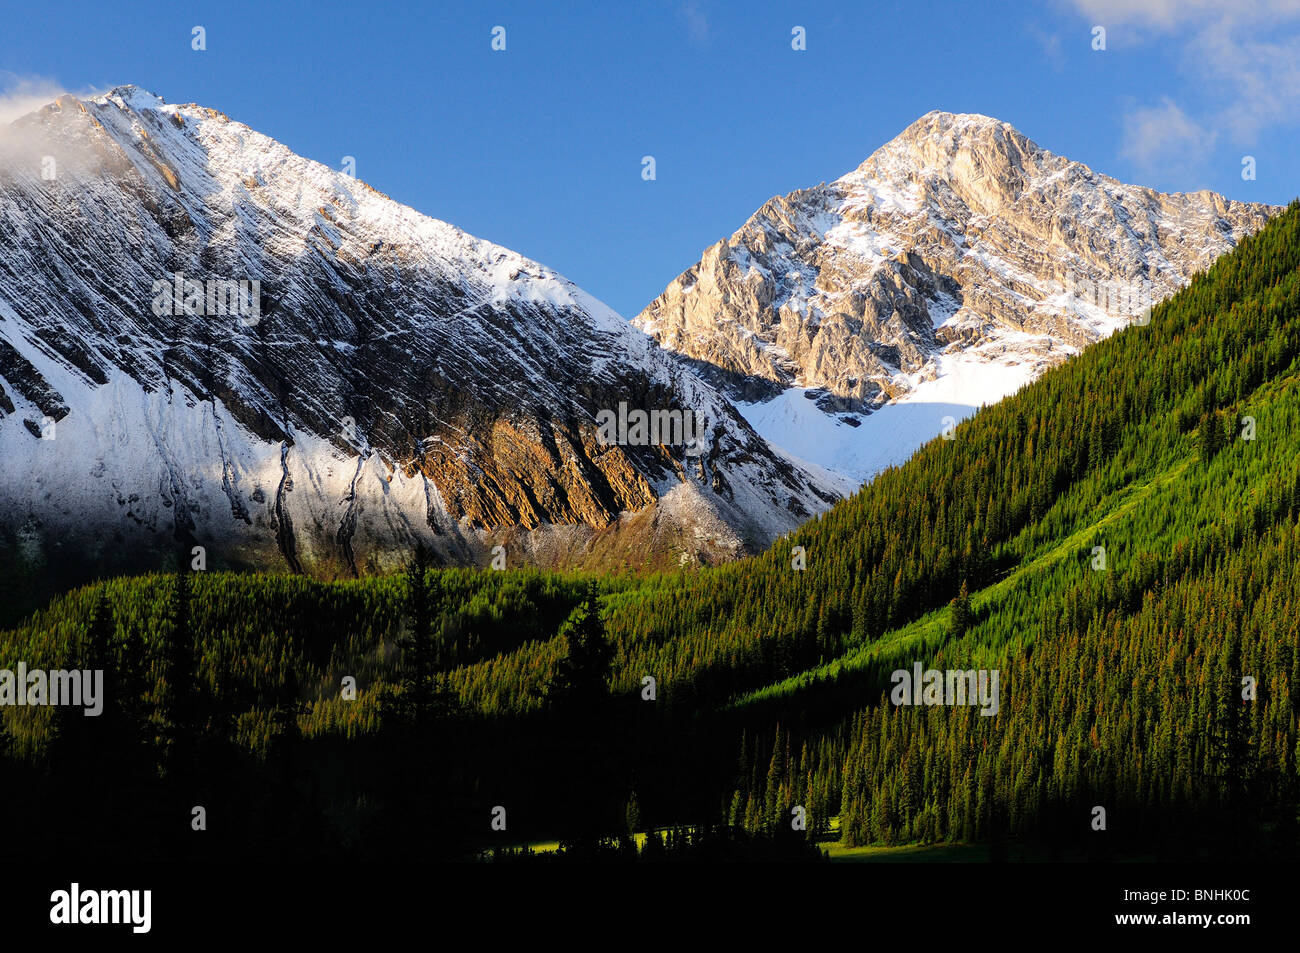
(178, 718)
(421, 645)
(581, 679)
(960, 612)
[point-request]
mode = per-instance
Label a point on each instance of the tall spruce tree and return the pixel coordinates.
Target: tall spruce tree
(579, 701)
(960, 612)
(581, 679)
(421, 644)
(178, 719)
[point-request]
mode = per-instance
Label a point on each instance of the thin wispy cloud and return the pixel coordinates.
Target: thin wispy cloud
(1263, 75)
(1171, 15)
(20, 95)
(1165, 138)
(697, 22)
(1050, 44)
(1240, 60)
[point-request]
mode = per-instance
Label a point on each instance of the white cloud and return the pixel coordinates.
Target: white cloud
(20, 95)
(1263, 76)
(1164, 141)
(1240, 62)
(697, 22)
(1171, 15)
(1050, 43)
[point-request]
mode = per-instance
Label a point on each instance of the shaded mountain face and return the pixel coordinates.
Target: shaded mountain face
(954, 265)
(207, 339)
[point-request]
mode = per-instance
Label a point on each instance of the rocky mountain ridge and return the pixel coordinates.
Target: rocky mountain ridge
(390, 379)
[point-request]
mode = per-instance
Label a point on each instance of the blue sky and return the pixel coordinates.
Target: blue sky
(539, 147)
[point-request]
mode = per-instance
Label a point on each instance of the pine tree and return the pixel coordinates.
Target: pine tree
(586, 746)
(960, 611)
(421, 644)
(581, 679)
(178, 704)
(632, 814)
(1210, 435)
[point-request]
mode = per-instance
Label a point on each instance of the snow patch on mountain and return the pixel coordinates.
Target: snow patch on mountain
(856, 447)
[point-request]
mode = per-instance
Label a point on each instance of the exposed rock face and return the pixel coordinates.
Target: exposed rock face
(399, 380)
(960, 236)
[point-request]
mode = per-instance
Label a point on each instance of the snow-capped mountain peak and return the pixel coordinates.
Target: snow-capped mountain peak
(957, 262)
(207, 338)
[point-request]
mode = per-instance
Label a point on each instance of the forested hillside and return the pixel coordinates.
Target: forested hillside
(1120, 540)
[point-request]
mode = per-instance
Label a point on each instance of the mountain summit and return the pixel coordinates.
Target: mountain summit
(956, 263)
(207, 339)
